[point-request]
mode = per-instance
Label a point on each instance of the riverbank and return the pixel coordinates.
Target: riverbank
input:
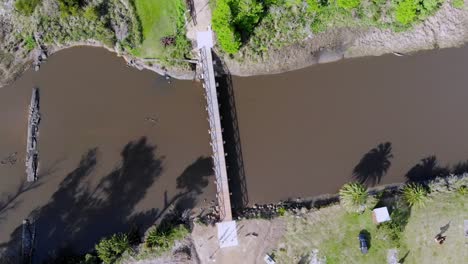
(30, 31)
(448, 27)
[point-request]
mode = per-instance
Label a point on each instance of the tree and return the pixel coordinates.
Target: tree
(110, 249)
(354, 197)
(415, 195)
(228, 39)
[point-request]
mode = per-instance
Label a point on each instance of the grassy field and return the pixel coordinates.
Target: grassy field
(425, 223)
(159, 18)
(334, 233)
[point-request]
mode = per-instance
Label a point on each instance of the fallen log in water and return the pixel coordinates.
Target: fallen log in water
(33, 133)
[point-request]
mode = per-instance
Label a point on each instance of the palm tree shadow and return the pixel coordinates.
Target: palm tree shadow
(374, 164)
(427, 169)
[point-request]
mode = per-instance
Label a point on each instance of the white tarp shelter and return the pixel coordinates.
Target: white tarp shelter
(380, 215)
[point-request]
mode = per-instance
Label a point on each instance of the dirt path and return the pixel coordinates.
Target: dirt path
(201, 20)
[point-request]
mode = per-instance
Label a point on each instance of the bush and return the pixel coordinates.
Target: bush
(30, 43)
(281, 211)
(405, 11)
(164, 240)
(26, 7)
(91, 13)
(415, 195)
(110, 249)
(228, 39)
(348, 4)
(354, 197)
(458, 3)
(70, 7)
(462, 190)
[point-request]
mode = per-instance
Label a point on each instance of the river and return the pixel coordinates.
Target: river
(118, 145)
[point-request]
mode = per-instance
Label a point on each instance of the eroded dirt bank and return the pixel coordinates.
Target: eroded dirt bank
(447, 28)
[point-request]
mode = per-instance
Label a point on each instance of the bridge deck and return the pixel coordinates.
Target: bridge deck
(217, 143)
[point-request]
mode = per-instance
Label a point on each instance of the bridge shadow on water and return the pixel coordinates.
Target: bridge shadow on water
(231, 136)
(79, 214)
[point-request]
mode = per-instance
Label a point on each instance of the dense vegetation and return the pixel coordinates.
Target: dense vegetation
(137, 27)
(26, 7)
(263, 24)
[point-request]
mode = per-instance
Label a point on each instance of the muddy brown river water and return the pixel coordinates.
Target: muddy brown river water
(118, 145)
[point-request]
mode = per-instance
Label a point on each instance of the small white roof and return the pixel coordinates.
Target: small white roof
(227, 234)
(205, 39)
(381, 214)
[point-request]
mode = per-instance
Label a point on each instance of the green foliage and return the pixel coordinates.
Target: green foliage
(393, 230)
(30, 43)
(462, 190)
(110, 249)
(26, 7)
(354, 196)
(91, 13)
(222, 20)
(164, 240)
(405, 11)
(460, 4)
(247, 14)
(281, 211)
(70, 7)
(415, 195)
(348, 4)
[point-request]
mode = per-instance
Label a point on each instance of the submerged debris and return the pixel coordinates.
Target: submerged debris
(33, 133)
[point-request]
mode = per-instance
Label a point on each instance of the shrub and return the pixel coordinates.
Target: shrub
(458, 3)
(228, 39)
(405, 11)
(415, 195)
(281, 211)
(164, 240)
(70, 7)
(348, 4)
(26, 7)
(462, 190)
(354, 196)
(247, 14)
(110, 249)
(90, 13)
(30, 43)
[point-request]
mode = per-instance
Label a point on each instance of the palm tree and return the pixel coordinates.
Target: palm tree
(415, 195)
(354, 196)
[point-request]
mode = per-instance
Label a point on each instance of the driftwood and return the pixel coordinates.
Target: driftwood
(33, 133)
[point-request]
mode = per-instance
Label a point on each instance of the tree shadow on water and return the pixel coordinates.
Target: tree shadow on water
(79, 215)
(374, 165)
(427, 169)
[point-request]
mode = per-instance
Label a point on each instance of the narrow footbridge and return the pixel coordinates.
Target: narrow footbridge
(227, 231)
(214, 118)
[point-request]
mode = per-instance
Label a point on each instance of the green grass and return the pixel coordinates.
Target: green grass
(460, 4)
(334, 232)
(425, 223)
(159, 18)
